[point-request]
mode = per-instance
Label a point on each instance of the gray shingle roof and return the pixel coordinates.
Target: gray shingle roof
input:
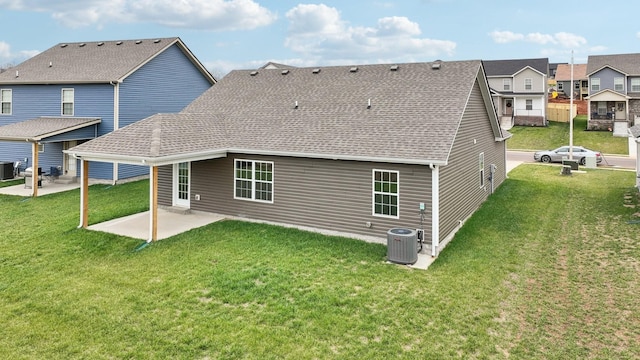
(414, 115)
(43, 127)
(510, 67)
(89, 62)
(627, 63)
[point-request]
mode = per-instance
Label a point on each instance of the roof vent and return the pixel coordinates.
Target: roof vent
(17, 73)
(435, 65)
(82, 45)
(156, 41)
(296, 105)
(138, 41)
(285, 72)
(253, 73)
(119, 43)
(50, 63)
(316, 71)
(394, 68)
(100, 43)
(353, 69)
(63, 45)
(369, 104)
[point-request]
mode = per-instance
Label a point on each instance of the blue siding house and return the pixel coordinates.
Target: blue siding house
(614, 92)
(74, 92)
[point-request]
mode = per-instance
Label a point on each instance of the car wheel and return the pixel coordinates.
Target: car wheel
(545, 159)
(583, 161)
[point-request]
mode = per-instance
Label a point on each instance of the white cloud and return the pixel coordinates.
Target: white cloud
(563, 39)
(317, 32)
(197, 14)
(8, 57)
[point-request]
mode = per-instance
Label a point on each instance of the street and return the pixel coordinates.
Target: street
(608, 161)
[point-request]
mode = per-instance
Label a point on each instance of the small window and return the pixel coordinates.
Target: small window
(6, 101)
(40, 147)
(254, 180)
(481, 168)
(67, 101)
(506, 84)
(602, 108)
(529, 104)
(595, 84)
(560, 86)
(635, 85)
(528, 84)
(618, 84)
(386, 193)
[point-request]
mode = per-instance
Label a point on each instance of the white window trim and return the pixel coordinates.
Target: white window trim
(635, 85)
(528, 84)
(603, 108)
(373, 194)
(621, 83)
(526, 104)
(481, 168)
(595, 82)
(506, 84)
(10, 101)
(253, 181)
(73, 102)
(40, 147)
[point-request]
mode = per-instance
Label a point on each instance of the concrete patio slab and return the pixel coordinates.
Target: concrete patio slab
(169, 224)
(46, 189)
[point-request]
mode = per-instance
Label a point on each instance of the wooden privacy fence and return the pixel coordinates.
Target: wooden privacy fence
(560, 112)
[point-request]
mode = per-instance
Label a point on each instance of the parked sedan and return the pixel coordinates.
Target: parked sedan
(557, 155)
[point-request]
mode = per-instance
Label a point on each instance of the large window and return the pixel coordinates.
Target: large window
(602, 108)
(67, 101)
(595, 84)
(386, 193)
(254, 180)
(506, 84)
(635, 85)
(5, 99)
(618, 84)
(528, 84)
(481, 168)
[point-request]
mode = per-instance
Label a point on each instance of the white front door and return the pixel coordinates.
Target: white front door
(182, 184)
(69, 167)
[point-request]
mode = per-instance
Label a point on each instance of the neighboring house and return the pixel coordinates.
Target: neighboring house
(273, 65)
(580, 86)
(614, 92)
(551, 76)
(354, 149)
(74, 92)
(519, 90)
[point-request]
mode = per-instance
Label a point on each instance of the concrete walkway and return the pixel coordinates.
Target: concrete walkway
(46, 189)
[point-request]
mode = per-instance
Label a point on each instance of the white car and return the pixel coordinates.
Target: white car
(580, 155)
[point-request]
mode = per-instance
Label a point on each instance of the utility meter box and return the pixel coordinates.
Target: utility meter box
(402, 246)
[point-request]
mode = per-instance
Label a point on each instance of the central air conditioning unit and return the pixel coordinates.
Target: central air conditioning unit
(402, 246)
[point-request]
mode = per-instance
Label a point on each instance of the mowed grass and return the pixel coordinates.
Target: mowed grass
(557, 134)
(546, 269)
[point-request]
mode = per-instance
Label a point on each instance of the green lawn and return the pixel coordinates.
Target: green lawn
(546, 269)
(557, 134)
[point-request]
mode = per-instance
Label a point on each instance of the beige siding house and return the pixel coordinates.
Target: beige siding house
(352, 149)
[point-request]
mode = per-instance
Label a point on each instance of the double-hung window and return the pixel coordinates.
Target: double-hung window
(618, 84)
(595, 84)
(635, 85)
(528, 104)
(6, 101)
(602, 108)
(528, 84)
(386, 193)
(253, 180)
(506, 84)
(67, 101)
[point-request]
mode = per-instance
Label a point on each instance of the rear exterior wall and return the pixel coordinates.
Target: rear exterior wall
(325, 194)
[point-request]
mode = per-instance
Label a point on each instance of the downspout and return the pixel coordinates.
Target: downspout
(116, 120)
(82, 193)
(435, 209)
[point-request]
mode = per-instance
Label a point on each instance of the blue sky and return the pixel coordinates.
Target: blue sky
(241, 34)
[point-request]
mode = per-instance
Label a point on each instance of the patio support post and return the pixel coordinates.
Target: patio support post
(84, 194)
(34, 172)
(153, 204)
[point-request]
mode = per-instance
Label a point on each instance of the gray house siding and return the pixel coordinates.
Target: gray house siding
(33, 101)
(460, 190)
(304, 193)
(166, 84)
